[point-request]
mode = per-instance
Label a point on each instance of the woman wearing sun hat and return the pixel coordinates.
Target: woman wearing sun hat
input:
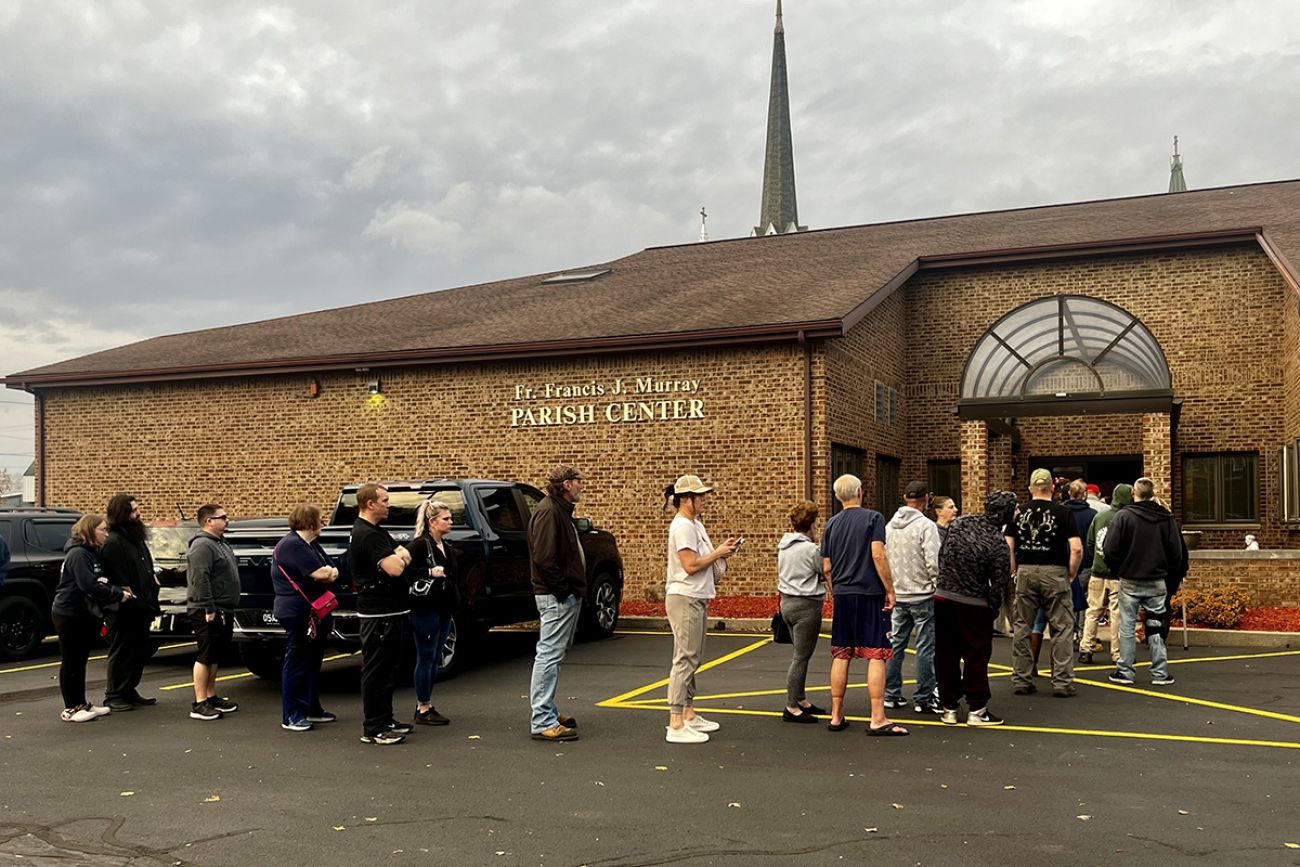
(694, 565)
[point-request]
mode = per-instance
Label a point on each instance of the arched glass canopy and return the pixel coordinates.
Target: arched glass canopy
(1065, 354)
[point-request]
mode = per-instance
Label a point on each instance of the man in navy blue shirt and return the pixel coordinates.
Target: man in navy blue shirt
(853, 560)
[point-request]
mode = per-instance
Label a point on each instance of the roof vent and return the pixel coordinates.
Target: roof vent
(577, 276)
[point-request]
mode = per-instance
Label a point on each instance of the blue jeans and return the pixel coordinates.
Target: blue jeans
(430, 629)
(299, 696)
(559, 623)
(1151, 596)
(909, 616)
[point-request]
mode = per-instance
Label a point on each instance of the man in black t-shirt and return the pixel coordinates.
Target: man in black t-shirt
(382, 606)
(1047, 554)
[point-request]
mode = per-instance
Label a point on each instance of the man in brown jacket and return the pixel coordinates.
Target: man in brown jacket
(559, 572)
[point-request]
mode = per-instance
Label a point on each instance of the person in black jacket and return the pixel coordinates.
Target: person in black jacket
(1144, 549)
(82, 594)
(127, 562)
(435, 595)
(559, 572)
(974, 565)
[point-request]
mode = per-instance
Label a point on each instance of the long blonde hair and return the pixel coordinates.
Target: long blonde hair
(427, 509)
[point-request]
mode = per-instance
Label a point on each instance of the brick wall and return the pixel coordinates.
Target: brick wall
(1218, 315)
(260, 445)
(1270, 582)
(872, 350)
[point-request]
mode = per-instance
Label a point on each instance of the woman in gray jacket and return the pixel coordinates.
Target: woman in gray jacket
(803, 592)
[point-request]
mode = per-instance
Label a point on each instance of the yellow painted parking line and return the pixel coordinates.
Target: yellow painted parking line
(56, 664)
(243, 674)
(665, 632)
(1168, 696)
(713, 663)
(1101, 733)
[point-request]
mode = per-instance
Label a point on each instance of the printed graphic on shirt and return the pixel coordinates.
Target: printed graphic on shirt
(1037, 530)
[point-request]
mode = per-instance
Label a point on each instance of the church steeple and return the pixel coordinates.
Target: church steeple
(1176, 182)
(779, 213)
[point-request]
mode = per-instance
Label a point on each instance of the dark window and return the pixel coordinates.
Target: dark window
(944, 479)
(48, 535)
(1289, 490)
(402, 506)
(1221, 489)
(880, 401)
(532, 499)
(893, 407)
(6, 530)
(501, 509)
(889, 487)
(845, 460)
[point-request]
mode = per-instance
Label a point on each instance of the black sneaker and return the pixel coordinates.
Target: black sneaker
(400, 728)
(804, 717)
(1119, 677)
(383, 739)
(894, 703)
(927, 707)
(140, 701)
(222, 705)
(117, 705)
(297, 725)
(323, 716)
(430, 717)
(1025, 689)
(1086, 657)
(1067, 691)
(204, 710)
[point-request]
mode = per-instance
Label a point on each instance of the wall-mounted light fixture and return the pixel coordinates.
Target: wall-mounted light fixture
(374, 388)
(313, 388)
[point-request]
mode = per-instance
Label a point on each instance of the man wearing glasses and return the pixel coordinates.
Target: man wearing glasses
(212, 578)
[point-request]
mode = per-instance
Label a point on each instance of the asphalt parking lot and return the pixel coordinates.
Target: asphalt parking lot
(1202, 772)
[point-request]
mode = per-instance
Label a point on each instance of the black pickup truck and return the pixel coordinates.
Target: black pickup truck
(489, 523)
(35, 538)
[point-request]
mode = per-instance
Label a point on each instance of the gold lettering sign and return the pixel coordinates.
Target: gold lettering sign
(633, 400)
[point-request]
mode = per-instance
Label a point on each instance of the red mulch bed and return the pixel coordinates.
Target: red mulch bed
(1256, 619)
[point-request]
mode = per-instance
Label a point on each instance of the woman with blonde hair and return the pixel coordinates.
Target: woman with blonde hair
(435, 596)
(79, 602)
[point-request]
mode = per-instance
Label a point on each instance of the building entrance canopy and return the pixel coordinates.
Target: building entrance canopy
(1063, 355)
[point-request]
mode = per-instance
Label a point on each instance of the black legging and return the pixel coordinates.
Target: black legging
(78, 636)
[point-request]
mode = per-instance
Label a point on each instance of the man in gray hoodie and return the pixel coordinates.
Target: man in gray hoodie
(212, 581)
(912, 546)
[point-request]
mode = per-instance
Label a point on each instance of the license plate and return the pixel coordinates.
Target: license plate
(268, 617)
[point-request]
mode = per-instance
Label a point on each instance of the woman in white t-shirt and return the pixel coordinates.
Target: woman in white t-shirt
(693, 567)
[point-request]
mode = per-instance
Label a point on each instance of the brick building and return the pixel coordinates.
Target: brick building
(1156, 335)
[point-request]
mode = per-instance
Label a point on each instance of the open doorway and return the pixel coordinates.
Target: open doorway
(1104, 472)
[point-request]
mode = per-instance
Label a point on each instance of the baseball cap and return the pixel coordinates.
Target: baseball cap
(689, 484)
(1093, 489)
(915, 491)
(1040, 478)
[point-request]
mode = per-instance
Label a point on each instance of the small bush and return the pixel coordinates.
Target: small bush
(1216, 607)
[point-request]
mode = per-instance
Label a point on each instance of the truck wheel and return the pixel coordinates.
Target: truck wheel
(21, 627)
(455, 650)
(600, 611)
(265, 659)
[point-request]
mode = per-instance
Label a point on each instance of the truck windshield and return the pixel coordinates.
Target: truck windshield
(402, 506)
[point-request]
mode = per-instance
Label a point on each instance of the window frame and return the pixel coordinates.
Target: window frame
(1217, 485)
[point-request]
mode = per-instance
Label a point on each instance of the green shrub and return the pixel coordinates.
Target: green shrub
(1218, 607)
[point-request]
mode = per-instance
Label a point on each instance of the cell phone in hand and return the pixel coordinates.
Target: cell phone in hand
(740, 541)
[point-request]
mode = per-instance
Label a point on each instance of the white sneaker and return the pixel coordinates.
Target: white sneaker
(949, 717)
(700, 724)
(685, 735)
(98, 709)
(80, 714)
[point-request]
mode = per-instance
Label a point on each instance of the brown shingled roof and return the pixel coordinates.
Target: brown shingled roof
(734, 290)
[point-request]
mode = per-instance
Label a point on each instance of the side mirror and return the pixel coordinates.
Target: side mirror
(583, 525)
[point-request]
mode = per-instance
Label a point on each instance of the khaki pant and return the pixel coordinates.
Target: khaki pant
(687, 617)
(1101, 591)
(1044, 587)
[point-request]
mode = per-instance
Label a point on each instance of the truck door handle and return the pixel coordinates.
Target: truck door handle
(498, 547)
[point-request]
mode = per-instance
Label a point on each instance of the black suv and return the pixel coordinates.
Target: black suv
(36, 538)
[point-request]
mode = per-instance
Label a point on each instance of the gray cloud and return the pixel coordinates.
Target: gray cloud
(171, 166)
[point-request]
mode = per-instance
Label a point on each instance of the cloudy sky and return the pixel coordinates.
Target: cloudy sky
(177, 165)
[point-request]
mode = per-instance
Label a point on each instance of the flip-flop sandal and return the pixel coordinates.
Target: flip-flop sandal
(837, 727)
(893, 730)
